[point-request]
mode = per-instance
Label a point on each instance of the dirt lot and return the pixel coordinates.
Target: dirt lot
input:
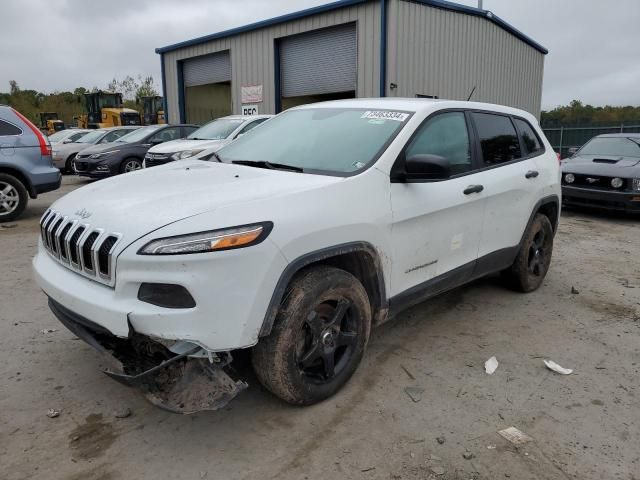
(583, 425)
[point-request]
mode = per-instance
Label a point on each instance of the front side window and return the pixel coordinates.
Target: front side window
(319, 140)
(444, 135)
(498, 138)
(530, 140)
(613, 146)
(251, 126)
(7, 129)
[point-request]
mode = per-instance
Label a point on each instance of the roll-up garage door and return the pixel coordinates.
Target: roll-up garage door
(214, 68)
(319, 62)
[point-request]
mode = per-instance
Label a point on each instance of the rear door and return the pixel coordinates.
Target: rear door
(437, 224)
(509, 176)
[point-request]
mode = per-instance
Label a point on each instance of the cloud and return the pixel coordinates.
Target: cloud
(68, 43)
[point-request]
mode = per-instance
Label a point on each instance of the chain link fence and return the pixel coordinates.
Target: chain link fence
(564, 138)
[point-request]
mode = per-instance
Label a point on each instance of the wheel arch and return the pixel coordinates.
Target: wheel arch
(361, 259)
(549, 206)
(22, 177)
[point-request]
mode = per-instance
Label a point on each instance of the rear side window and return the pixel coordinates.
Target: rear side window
(498, 138)
(7, 129)
(530, 141)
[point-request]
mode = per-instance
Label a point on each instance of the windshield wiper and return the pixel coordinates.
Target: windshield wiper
(269, 165)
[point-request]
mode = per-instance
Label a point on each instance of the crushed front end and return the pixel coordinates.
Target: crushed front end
(181, 378)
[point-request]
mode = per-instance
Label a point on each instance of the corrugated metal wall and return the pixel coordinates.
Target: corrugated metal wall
(432, 51)
(252, 55)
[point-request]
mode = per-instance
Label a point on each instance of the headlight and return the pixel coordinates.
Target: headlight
(569, 178)
(215, 240)
(100, 155)
(617, 182)
(185, 154)
(636, 184)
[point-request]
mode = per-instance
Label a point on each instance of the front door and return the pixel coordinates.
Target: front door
(437, 224)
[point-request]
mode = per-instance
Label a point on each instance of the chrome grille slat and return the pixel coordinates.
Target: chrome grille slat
(80, 247)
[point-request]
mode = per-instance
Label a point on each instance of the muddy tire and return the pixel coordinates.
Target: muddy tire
(13, 197)
(318, 338)
(532, 263)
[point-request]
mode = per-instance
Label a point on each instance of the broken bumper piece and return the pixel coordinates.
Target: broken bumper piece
(178, 383)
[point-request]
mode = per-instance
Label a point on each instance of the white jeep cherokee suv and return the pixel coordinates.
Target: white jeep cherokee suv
(329, 219)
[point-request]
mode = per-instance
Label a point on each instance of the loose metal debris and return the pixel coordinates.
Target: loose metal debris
(53, 413)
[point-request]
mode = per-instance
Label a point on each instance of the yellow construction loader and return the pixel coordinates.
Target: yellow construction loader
(105, 109)
(49, 123)
(153, 110)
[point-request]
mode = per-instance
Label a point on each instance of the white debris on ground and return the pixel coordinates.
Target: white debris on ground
(491, 365)
(551, 365)
(515, 436)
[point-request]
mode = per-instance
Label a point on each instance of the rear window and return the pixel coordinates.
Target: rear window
(7, 129)
(498, 138)
(530, 141)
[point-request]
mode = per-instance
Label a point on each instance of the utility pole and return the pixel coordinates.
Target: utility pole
(480, 4)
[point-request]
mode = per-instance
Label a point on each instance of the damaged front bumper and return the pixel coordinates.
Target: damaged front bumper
(185, 382)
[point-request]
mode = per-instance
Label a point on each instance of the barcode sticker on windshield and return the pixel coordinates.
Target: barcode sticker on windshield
(385, 115)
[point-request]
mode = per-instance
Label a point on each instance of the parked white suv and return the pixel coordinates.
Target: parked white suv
(295, 248)
(207, 139)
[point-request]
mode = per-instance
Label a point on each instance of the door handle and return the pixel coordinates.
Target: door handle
(473, 189)
(531, 174)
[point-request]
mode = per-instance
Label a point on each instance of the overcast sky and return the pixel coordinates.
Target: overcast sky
(47, 46)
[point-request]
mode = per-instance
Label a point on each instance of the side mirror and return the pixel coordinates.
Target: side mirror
(67, 140)
(427, 167)
(156, 141)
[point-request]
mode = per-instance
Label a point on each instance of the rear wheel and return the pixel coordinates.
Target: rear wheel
(130, 165)
(318, 338)
(13, 197)
(533, 260)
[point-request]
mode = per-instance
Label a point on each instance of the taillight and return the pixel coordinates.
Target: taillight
(45, 147)
(559, 156)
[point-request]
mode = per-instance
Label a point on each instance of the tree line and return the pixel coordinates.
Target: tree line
(69, 104)
(576, 114)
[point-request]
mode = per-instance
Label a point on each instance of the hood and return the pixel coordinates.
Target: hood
(604, 165)
(185, 144)
(138, 203)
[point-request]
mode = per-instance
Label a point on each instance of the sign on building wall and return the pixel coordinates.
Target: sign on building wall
(251, 94)
(250, 110)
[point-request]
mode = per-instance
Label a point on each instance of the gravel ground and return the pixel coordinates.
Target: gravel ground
(583, 425)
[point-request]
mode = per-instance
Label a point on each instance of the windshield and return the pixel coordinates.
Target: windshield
(138, 134)
(91, 137)
(321, 140)
(61, 135)
(217, 130)
(614, 146)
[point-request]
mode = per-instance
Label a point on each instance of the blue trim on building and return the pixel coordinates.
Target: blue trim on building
(276, 68)
(181, 111)
(262, 24)
(164, 89)
(443, 4)
(383, 48)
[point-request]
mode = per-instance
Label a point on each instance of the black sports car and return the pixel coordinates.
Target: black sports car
(604, 173)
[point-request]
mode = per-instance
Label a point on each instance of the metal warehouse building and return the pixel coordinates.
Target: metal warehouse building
(353, 48)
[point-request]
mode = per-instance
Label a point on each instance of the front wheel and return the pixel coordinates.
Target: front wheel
(13, 197)
(533, 260)
(130, 165)
(318, 338)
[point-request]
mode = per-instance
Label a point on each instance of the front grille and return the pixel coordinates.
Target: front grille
(153, 160)
(597, 182)
(85, 249)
